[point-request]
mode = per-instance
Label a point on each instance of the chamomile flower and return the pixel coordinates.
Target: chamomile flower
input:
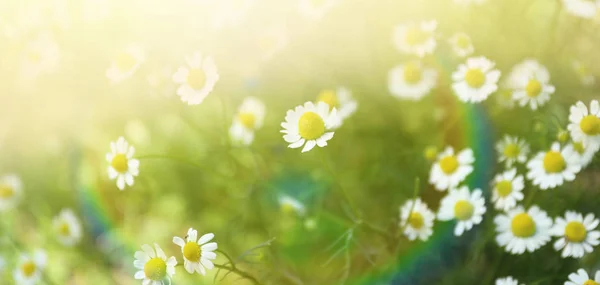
(340, 99)
(586, 154)
(582, 8)
(552, 168)
(11, 190)
(198, 253)
(450, 169)
(507, 189)
(583, 72)
(461, 44)
(464, 207)
(41, 56)
(530, 82)
(507, 281)
(67, 227)
(584, 124)
(582, 278)
(291, 205)
(154, 267)
(512, 150)
(415, 38)
(125, 64)
(197, 79)
(315, 9)
(411, 80)
(417, 220)
(248, 119)
(520, 230)
(123, 166)
(475, 80)
(309, 125)
(577, 234)
(30, 267)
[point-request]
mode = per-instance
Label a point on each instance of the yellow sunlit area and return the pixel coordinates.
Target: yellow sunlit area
(299, 142)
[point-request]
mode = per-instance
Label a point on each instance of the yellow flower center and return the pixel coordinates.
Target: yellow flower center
(6, 191)
(554, 162)
(590, 125)
(449, 164)
(415, 36)
(28, 268)
(430, 153)
(463, 210)
(523, 225)
(416, 220)
(288, 208)
(192, 251)
(578, 147)
(311, 126)
(119, 163)
(34, 56)
(512, 150)
(533, 88)
(562, 136)
(248, 120)
(155, 269)
(591, 282)
(475, 77)
(504, 188)
(125, 62)
(412, 73)
(329, 97)
(575, 232)
(463, 41)
(196, 78)
(64, 229)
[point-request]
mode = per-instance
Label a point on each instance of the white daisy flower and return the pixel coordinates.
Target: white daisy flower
(196, 80)
(67, 227)
(125, 64)
(464, 207)
(530, 82)
(417, 220)
(577, 234)
(249, 118)
(309, 125)
(315, 9)
(582, 278)
(461, 44)
(41, 56)
(11, 191)
(475, 80)
(512, 150)
(520, 230)
(586, 77)
(507, 189)
(586, 154)
(123, 166)
(291, 205)
(450, 169)
(552, 168)
(340, 99)
(415, 38)
(154, 267)
(198, 253)
(587, 9)
(411, 80)
(29, 269)
(584, 124)
(507, 281)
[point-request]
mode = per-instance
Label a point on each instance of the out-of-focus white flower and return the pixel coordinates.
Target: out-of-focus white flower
(340, 99)
(249, 118)
(197, 79)
(450, 169)
(530, 82)
(587, 78)
(415, 38)
(461, 44)
(11, 191)
(507, 189)
(125, 64)
(411, 80)
(463, 206)
(291, 205)
(584, 124)
(29, 268)
(41, 56)
(67, 227)
(512, 150)
(417, 220)
(475, 80)
(582, 8)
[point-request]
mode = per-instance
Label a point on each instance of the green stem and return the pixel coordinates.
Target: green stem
(239, 272)
(344, 192)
